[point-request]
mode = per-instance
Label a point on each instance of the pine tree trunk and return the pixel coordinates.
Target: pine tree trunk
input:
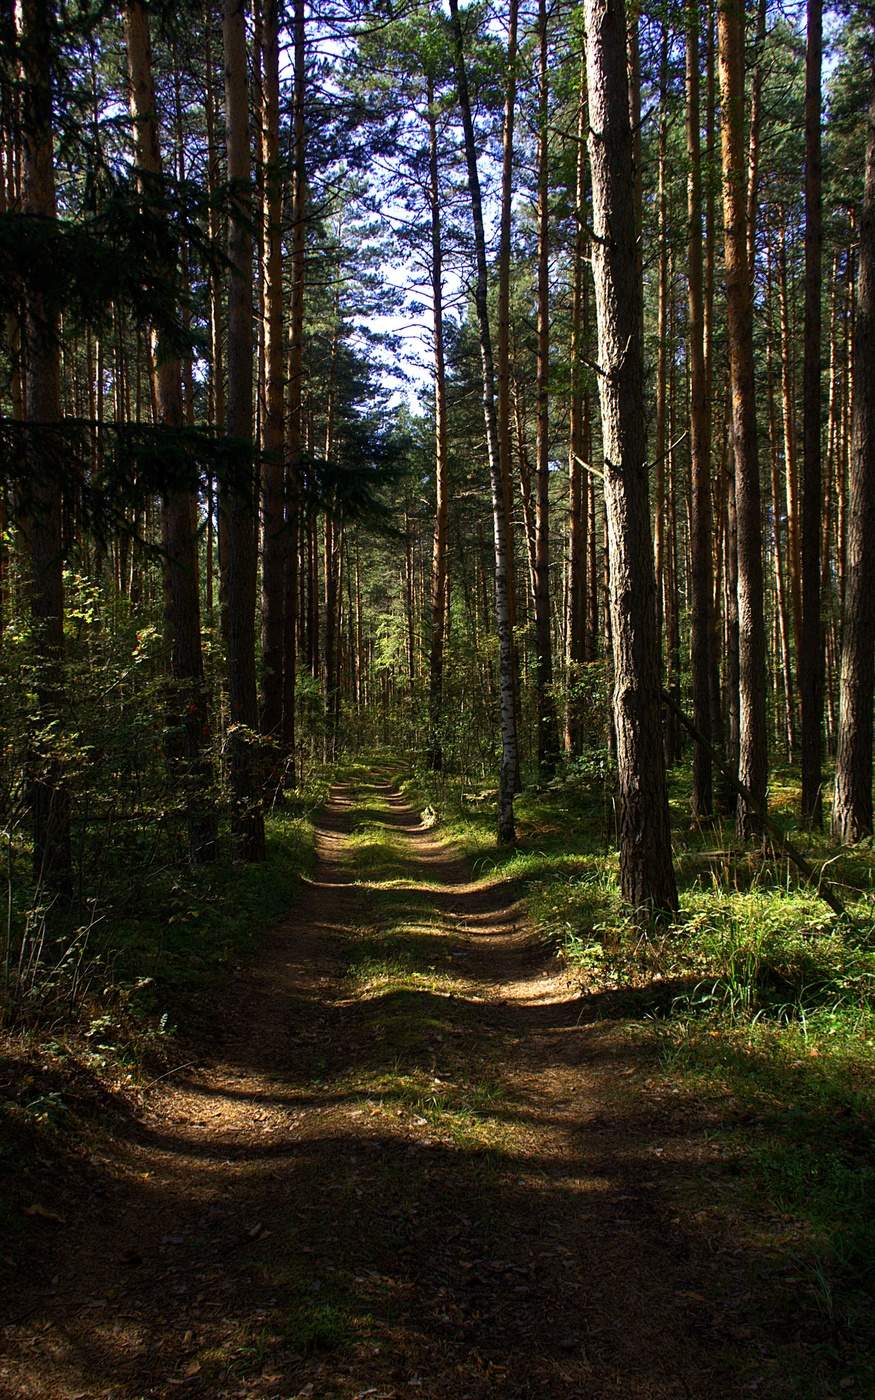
(238, 497)
(545, 709)
(646, 873)
(294, 393)
(274, 540)
(811, 651)
(578, 496)
(502, 363)
(701, 578)
(852, 805)
(753, 744)
(509, 754)
(439, 549)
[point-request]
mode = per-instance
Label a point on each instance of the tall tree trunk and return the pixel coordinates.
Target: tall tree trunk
(294, 394)
(811, 651)
(548, 733)
(275, 551)
(852, 805)
(238, 497)
(578, 496)
(48, 794)
(661, 347)
(509, 755)
(701, 579)
(794, 552)
(503, 373)
(753, 745)
(646, 873)
(188, 720)
(439, 550)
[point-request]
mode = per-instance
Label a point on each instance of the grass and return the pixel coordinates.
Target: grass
(104, 1004)
(756, 999)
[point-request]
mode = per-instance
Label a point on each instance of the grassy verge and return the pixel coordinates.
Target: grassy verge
(756, 999)
(104, 1007)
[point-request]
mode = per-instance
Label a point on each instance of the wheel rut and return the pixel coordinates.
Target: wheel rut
(408, 1161)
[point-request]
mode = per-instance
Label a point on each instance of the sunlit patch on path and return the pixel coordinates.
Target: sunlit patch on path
(410, 1162)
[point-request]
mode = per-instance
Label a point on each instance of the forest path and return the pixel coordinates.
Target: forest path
(412, 1163)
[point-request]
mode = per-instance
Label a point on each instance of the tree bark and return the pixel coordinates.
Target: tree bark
(578, 494)
(852, 805)
(274, 539)
(701, 578)
(646, 873)
(294, 392)
(545, 708)
(753, 749)
(811, 650)
(439, 547)
(238, 497)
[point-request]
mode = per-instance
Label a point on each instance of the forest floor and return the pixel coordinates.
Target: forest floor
(407, 1158)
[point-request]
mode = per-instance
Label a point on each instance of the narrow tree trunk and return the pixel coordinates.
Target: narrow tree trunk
(852, 806)
(294, 393)
(238, 497)
(503, 374)
(701, 579)
(646, 873)
(508, 767)
(548, 734)
(439, 549)
(794, 552)
(811, 657)
(753, 750)
(275, 551)
(578, 495)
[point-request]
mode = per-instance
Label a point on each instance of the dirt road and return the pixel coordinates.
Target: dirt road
(410, 1161)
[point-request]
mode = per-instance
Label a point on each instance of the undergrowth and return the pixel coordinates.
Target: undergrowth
(112, 980)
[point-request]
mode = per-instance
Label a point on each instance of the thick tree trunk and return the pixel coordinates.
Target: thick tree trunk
(47, 792)
(852, 805)
(188, 719)
(646, 873)
(811, 651)
(238, 497)
(701, 579)
(753, 749)
(509, 754)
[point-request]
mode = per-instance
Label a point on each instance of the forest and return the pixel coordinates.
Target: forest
(437, 664)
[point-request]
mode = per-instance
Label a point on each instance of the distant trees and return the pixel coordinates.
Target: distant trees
(43, 500)
(188, 720)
